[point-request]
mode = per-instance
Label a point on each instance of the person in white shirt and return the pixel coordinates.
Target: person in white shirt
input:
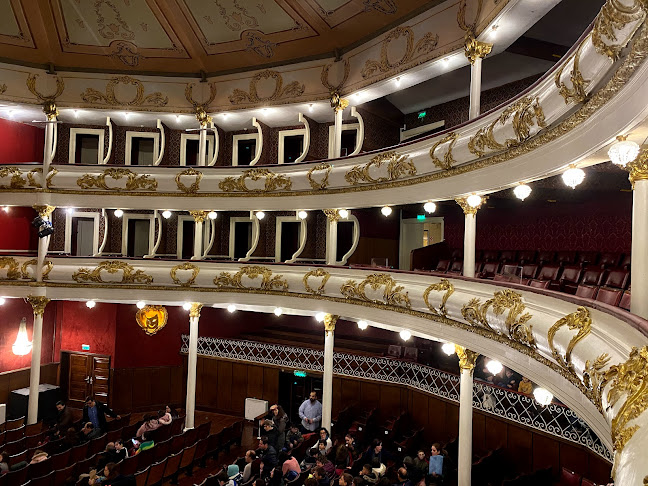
(310, 413)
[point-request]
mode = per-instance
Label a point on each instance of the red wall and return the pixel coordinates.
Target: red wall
(80, 325)
(20, 142)
(10, 315)
(17, 232)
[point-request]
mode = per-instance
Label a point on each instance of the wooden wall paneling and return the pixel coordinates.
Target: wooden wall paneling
(519, 448)
(438, 430)
(160, 379)
(177, 395)
(599, 470)
(19, 379)
(337, 404)
(141, 388)
(479, 442)
(350, 391)
(546, 453)
(497, 435)
(574, 458)
(390, 401)
(254, 381)
(122, 389)
(13, 380)
(369, 394)
(271, 384)
(239, 388)
(418, 408)
(451, 420)
(209, 397)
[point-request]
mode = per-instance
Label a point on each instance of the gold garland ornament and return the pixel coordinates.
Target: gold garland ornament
(268, 281)
(392, 294)
(129, 274)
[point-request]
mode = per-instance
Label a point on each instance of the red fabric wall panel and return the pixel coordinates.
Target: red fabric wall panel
(18, 233)
(10, 315)
(95, 327)
(20, 143)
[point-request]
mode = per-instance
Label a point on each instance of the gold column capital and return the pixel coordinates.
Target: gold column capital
(638, 168)
(467, 208)
(195, 309)
(337, 102)
(329, 322)
(50, 110)
(199, 216)
(44, 211)
(332, 214)
(38, 303)
(474, 48)
(467, 358)
(203, 118)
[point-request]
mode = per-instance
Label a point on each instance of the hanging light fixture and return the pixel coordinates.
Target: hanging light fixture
(386, 210)
(302, 214)
(474, 201)
(141, 304)
(260, 215)
(319, 317)
(278, 311)
(405, 334)
(212, 215)
(494, 367)
(429, 207)
(166, 214)
(119, 213)
(623, 151)
(522, 191)
(344, 214)
(22, 346)
(573, 176)
(186, 306)
(362, 325)
(91, 304)
(542, 396)
(448, 348)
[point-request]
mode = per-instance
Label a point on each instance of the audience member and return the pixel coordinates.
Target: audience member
(378, 468)
(88, 432)
(289, 466)
(234, 475)
(171, 411)
(324, 435)
(71, 438)
(113, 478)
(96, 412)
(64, 419)
(259, 482)
(345, 480)
(310, 481)
(250, 456)
(435, 470)
(268, 456)
(150, 424)
(310, 413)
(280, 420)
(373, 452)
(343, 459)
(39, 456)
(164, 417)
(323, 462)
(4, 464)
(121, 452)
(420, 469)
(368, 475)
(349, 441)
(271, 432)
(294, 437)
(319, 474)
(222, 478)
(403, 480)
(509, 379)
(525, 386)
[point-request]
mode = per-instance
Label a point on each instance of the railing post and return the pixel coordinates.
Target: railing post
(470, 235)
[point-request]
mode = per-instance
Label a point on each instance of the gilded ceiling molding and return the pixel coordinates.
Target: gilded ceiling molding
(443, 286)
(337, 102)
(387, 7)
(290, 91)
(324, 181)
(16, 182)
(474, 49)
(461, 16)
(318, 273)
(31, 179)
(397, 166)
(579, 84)
(3, 88)
(109, 98)
(273, 182)
(195, 185)
(392, 294)
(31, 86)
(467, 358)
(268, 281)
(10, 263)
(613, 17)
(324, 77)
(129, 274)
(517, 329)
(448, 159)
(184, 266)
(526, 113)
(126, 52)
(581, 321)
(24, 269)
(134, 182)
(255, 43)
(204, 104)
(424, 46)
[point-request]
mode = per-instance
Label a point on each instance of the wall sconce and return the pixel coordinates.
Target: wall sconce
(22, 346)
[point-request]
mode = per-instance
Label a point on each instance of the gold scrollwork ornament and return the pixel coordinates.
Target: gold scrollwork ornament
(195, 185)
(448, 159)
(11, 265)
(129, 274)
(580, 321)
(134, 182)
(273, 181)
(268, 281)
(16, 182)
(292, 90)
(95, 97)
(24, 268)
(38, 303)
(185, 266)
(443, 286)
(397, 166)
(324, 182)
(638, 168)
(393, 294)
(579, 83)
(474, 49)
(319, 273)
(152, 318)
(467, 358)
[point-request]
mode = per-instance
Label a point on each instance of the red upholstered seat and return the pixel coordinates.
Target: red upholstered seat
(508, 256)
(587, 482)
(526, 256)
(490, 255)
(587, 258)
(489, 270)
(586, 291)
(625, 262)
(442, 266)
(625, 300)
(571, 274)
(617, 278)
(540, 284)
(500, 277)
(569, 478)
(593, 276)
(566, 257)
(610, 260)
(609, 295)
(456, 267)
(549, 272)
(456, 254)
(530, 270)
(546, 256)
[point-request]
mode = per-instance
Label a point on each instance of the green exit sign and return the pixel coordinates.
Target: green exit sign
(85, 347)
(300, 374)
(422, 114)
(420, 217)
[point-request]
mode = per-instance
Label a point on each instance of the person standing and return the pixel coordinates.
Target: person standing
(310, 413)
(95, 412)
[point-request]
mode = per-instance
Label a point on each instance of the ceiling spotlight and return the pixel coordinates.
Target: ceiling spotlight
(494, 367)
(186, 306)
(386, 210)
(572, 177)
(448, 348)
(319, 317)
(623, 151)
(212, 215)
(231, 308)
(278, 311)
(542, 396)
(429, 207)
(119, 213)
(405, 334)
(2, 301)
(91, 304)
(344, 214)
(166, 214)
(398, 82)
(302, 214)
(522, 191)
(474, 201)
(141, 304)
(260, 215)
(362, 325)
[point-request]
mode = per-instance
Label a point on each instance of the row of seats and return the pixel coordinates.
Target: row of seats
(543, 257)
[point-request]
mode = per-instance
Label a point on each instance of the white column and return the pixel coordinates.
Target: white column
(332, 217)
(38, 305)
(199, 219)
(639, 256)
(202, 147)
(43, 243)
(327, 385)
(475, 88)
(47, 151)
(190, 407)
(337, 140)
(470, 229)
(464, 462)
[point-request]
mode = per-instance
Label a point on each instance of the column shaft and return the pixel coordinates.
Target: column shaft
(331, 243)
(327, 385)
(475, 88)
(464, 465)
(337, 141)
(639, 257)
(34, 371)
(47, 151)
(198, 241)
(202, 147)
(469, 244)
(192, 361)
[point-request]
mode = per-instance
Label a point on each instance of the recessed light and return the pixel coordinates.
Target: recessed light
(166, 214)
(141, 304)
(231, 308)
(91, 304)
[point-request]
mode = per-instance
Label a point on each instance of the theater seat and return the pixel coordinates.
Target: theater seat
(609, 260)
(507, 256)
(500, 277)
(457, 254)
(546, 257)
(526, 256)
(609, 295)
(571, 274)
(530, 271)
(625, 262)
(456, 267)
(587, 258)
(442, 266)
(625, 301)
(593, 276)
(617, 278)
(566, 257)
(586, 291)
(549, 272)
(489, 270)
(539, 284)
(511, 269)
(490, 255)
(569, 478)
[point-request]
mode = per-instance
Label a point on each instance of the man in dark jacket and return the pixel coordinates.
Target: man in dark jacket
(96, 412)
(64, 419)
(268, 456)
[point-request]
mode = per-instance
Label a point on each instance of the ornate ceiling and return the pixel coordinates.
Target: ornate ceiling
(189, 36)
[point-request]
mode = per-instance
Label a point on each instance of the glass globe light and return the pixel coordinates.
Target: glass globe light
(448, 348)
(141, 304)
(166, 214)
(386, 210)
(494, 367)
(278, 311)
(429, 207)
(186, 306)
(362, 325)
(2, 301)
(260, 215)
(231, 308)
(572, 177)
(212, 215)
(522, 192)
(91, 304)
(319, 317)
(542, 396)
(344, 214)
(623, 151)
(302, 214)
(119, 213)
(405, 334)
(474, 201)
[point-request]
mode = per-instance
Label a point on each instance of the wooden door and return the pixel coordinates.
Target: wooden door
(88, 375)
(99, 378)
